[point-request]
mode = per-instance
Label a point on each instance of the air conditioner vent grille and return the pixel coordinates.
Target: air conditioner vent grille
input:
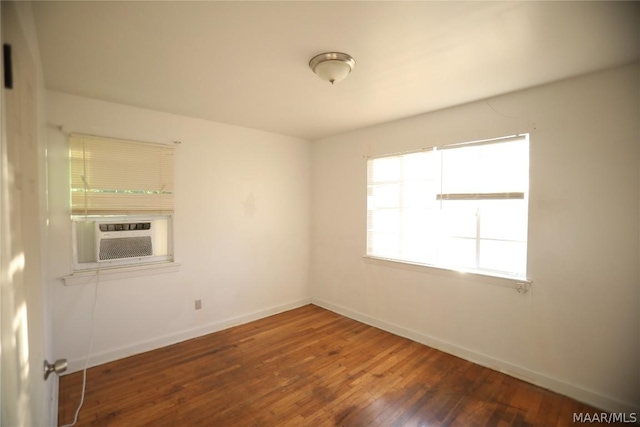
(125, 247)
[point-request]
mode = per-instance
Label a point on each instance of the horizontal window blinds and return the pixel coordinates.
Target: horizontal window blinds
(114, 176)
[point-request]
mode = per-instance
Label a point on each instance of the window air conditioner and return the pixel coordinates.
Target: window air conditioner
(123, 240)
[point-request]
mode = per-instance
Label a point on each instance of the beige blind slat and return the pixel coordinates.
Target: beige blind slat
(480, 196)
(118, 176)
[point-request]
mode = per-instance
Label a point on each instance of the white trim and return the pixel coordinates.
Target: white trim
(115, 273)
(129, 141)
(589, 397)
(488, 141)
(519, 283)
(77, 365)
(53, 404)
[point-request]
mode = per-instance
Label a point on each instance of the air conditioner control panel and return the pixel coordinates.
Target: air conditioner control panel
(126, 226)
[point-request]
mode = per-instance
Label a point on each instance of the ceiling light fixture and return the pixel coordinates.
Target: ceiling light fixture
(332, 66)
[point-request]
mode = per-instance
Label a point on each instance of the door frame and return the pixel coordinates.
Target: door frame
(24, 303)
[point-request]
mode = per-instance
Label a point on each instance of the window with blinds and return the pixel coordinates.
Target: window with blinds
(462, 207)
(121, 195)
(124, 177)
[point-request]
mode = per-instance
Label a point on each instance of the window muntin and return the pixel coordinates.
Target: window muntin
(462, 207)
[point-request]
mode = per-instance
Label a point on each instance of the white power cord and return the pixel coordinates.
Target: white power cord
(86, 363)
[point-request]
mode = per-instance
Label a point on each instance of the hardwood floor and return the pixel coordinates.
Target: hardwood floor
(306, 367)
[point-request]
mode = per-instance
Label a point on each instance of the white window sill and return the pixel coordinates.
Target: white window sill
(522, 285)
(115, 273)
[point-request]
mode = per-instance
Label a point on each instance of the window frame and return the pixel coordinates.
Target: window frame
(521, 281)
(125, 209)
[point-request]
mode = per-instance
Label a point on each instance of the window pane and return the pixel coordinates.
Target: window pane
(460, 170)
(385, 196)
(417, 194)
(414, 221)
(415, 167)
(491, 168)
(504, 219)
(457, 252)
(385, 169)
(419, 247)
(387, 220)
(385, 245)
(507, 257)
(504, 167)
(459, 218)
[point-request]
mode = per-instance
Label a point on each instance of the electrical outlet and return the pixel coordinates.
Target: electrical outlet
(198, 304)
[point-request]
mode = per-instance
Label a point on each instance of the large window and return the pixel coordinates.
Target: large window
(121, 201)
(461, 207)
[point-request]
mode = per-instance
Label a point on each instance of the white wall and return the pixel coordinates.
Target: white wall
(242, 233)
(577, 331)
(244, 243)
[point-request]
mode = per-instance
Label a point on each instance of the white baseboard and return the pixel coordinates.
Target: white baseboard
(580, 394)
(163, 341)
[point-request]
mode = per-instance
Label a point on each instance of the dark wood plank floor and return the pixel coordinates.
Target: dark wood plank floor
(306, 367)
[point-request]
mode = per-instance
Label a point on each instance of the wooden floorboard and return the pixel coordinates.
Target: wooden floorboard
(306, 367)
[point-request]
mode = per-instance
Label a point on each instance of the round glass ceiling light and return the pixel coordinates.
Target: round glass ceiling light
(332, 66)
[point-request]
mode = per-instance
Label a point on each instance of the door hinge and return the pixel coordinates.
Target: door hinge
(8, 66)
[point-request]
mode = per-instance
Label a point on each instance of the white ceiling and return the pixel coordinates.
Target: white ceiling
(246, 63)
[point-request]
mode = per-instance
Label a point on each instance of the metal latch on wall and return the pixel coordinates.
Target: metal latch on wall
(58, 367)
